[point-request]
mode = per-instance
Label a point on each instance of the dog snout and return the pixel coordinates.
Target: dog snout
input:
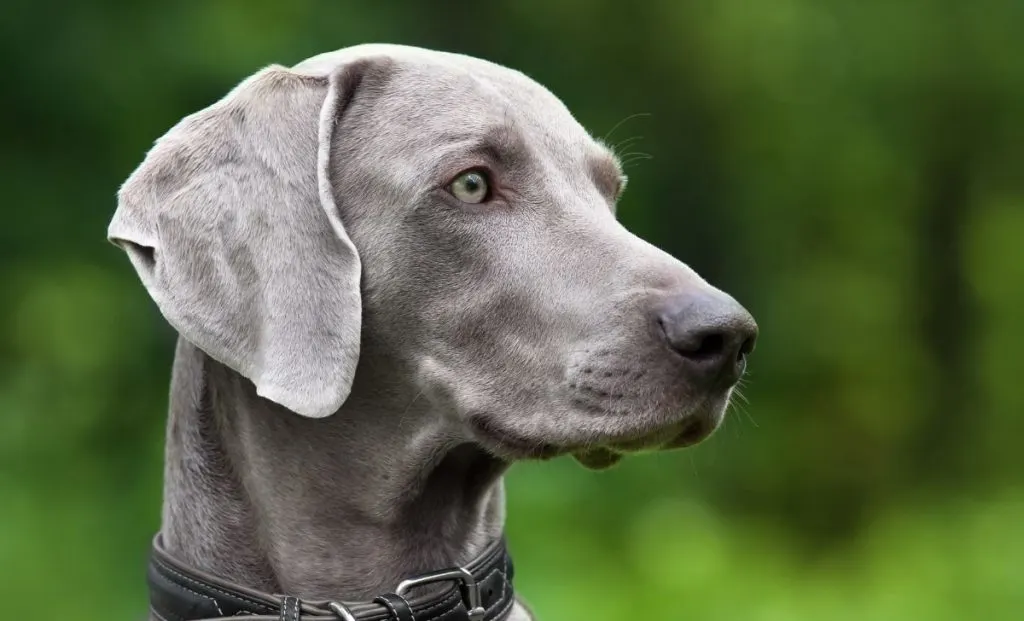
(711, 332)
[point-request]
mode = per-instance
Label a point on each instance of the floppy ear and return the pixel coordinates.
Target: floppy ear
(231, 224)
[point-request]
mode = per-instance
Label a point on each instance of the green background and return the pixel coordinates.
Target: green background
(852, 171)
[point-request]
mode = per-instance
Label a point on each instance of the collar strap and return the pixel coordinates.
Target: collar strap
(480, 591)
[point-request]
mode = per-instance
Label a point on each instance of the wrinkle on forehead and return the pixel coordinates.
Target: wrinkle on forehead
(499, 141)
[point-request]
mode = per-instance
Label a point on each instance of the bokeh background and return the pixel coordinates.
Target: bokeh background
(853, 171)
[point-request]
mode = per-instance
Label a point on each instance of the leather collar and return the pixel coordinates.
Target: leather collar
(481, 591)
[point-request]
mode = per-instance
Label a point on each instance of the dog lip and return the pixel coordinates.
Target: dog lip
(693, 428)
(694, 433)
(649, 441)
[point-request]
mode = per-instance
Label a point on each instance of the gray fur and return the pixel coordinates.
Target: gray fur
(361, 355)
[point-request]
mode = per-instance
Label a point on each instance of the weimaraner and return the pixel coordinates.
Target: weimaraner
(394, 272)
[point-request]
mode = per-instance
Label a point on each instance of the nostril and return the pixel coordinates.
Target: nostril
(707, 346)
(746, 347)
(714, 346)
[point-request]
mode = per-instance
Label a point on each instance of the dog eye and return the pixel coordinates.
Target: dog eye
(471, 187)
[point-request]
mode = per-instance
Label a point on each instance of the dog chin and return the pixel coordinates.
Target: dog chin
(689, 432)
(604, 457)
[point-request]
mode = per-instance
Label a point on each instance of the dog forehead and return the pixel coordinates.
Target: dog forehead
(412, 58)
(451, 84)
(437, 103)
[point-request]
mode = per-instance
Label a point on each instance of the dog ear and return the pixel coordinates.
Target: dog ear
(231, 224)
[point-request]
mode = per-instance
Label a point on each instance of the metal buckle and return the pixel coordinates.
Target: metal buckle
(469, 588)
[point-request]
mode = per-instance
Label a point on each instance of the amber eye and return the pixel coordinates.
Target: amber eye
(471, 187)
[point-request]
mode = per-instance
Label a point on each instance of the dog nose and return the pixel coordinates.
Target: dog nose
(712, 333)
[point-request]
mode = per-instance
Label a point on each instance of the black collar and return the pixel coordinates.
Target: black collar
(482, 591)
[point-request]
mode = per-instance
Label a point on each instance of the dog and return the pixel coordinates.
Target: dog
(394, 272)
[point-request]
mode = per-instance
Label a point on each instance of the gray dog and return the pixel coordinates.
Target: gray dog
(394, 272)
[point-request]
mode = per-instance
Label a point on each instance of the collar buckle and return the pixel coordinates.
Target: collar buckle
(462, 577)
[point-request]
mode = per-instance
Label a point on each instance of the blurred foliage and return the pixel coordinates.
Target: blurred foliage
(850, 170)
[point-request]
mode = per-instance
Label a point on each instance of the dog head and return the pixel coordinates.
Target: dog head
(451, 213)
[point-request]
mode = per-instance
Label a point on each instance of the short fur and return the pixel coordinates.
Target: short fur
(361, 355)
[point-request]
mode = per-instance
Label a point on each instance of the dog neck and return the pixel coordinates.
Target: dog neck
(343, 507)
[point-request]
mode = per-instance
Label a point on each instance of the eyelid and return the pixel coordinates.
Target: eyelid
(468, 164)
(483, 171)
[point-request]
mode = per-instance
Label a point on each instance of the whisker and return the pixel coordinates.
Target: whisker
(634, 157)
(625, 142)
(739, 393)
(746, 413)
(737, 428)
(637, 154)
(619, 124)
(742, 397)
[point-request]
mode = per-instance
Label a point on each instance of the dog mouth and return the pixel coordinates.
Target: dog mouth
(599, 453)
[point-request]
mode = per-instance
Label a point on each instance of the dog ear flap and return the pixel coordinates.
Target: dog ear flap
(231, 224)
